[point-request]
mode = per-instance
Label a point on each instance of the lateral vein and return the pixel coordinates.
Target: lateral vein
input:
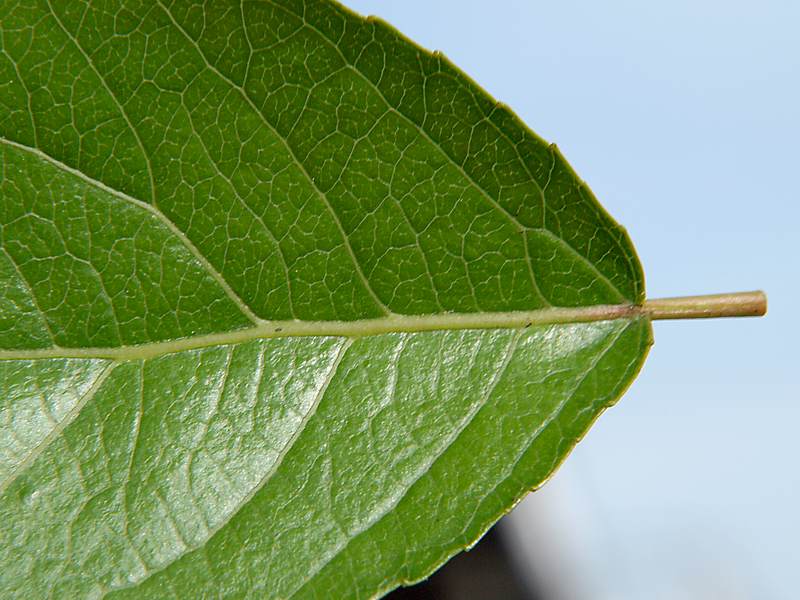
(58, 430)
(156, 212)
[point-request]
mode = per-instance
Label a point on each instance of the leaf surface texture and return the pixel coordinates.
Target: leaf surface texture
(236, 243)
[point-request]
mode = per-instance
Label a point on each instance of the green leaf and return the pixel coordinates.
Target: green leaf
(289, 307)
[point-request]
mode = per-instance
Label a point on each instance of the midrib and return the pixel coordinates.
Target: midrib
(349, 329)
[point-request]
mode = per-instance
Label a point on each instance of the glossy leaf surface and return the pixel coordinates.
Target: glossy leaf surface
(288, 306)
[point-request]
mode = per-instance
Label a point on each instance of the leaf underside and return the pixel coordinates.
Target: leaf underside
(189, 194)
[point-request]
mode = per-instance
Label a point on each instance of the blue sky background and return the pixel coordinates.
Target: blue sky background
(684, 118)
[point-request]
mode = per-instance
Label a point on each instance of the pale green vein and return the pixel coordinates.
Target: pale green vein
(520, 227)
(26, 284)
(135, 446)
(123, 112)
(318, 397)
(455, 434)
(740, 304)
(560, 408)
(348, 329)
(68, 418)
(180, 235)
(345, 239)
(552, 417)
(258, 218)
(600, 275)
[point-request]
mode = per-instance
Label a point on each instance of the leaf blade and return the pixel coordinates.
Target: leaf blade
(294, 166)
(281, 509)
